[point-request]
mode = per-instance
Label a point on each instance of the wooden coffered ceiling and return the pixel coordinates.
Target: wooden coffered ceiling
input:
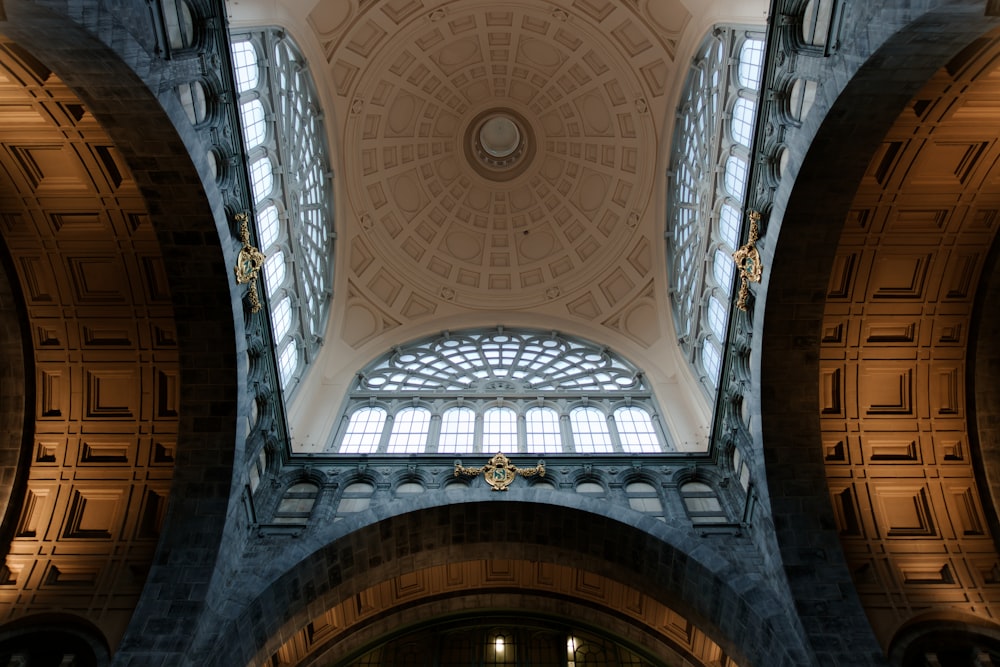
(893, 404)
(105, 365)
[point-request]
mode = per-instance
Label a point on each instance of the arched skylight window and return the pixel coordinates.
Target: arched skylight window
(290, 177)
(708, 176)
(500, 390)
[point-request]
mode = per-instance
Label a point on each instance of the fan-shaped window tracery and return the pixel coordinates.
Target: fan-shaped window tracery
(500, 390)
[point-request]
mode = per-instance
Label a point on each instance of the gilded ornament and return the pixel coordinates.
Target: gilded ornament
(248, 263)
(500, 472)
(748, 263)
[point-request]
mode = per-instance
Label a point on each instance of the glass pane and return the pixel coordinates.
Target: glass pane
(364, 431)
(590, 431)
(711, 361)
(717, 318)
(245, 66)
(742, 122)
(193, 100)
(458, 430)
(252, 117)
(543, 430)
(274, 272)
(723, 269)
(288, 361)
(409, 431)
(267, 227)
(281, 316)
(736, 176)
(751, 63)
(261, 179)
(729, 225)
(499, 430)
(636, 431)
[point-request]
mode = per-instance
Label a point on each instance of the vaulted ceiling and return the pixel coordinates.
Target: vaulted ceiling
(434, 234)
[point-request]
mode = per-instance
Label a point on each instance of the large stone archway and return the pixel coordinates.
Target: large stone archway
(653, 576)
(128, 292)
(798, 392)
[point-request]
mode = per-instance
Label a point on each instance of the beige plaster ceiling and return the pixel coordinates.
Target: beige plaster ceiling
(569, 239)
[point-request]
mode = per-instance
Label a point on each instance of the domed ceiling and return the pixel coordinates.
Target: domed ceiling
(499, 163)
(562, 215)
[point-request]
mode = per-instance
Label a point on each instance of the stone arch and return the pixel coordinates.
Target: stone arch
(952, 634)
(663, 562)
(51, 639)
(826, 165)
(158, 144)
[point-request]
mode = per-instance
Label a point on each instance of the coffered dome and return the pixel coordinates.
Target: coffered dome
(506, 153)
(502, 155)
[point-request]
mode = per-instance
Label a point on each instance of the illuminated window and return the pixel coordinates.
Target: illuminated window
(254, 129)
(708, 178)
(245, 68)
(409, 430)
(500, 391)
(458, 430)
(542, 430)
(635, 429)
(590, 430)
(480, 642)
(364, 431)
(261, 179)
(283, 133)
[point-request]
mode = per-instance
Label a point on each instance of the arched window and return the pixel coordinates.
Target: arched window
(707, 183)
(245, 67)
(500, 390)
(194, 101)
(458, 430)
(635, 429)
(254, 129)
(409, 430)
(590, 430)
(357, 497)
(297, 503)
(542, 430)
(283, 134)
(744, 112)
(642, 497)
(364, 431)
(702, 504)
(178, 23)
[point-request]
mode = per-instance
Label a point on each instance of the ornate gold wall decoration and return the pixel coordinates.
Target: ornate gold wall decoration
(248, 263)
(500, 472)
(748, 261)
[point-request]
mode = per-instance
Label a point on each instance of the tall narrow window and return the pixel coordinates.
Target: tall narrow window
(542, 426)
(590, 430)
(500, 390)
(458, 431)
(707, 183)
(283, 134)
(364, 431)
(409, 431)
(635, 429)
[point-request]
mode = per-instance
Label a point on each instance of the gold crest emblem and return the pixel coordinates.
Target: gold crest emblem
(500, 472)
